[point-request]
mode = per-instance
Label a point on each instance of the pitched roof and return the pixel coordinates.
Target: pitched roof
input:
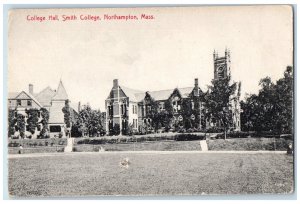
(21, 95)
(61, 93)
(137, 95)
(165, 94)
(134, 95)
(45, 96)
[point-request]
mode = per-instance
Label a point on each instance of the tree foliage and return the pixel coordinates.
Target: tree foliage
(44, 122)
(11, 122)
(89, 122)
(272, 108)
(21, 124)
(217, 102)
(33, 119)
(67, 114)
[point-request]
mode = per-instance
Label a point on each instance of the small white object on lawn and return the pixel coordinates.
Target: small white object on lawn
(125, 163)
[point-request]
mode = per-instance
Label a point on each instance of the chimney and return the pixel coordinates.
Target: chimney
(30, 89)
(196, 89)
(115, 83)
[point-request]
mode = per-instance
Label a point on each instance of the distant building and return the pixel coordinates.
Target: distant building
(52, 100)
(125, 106)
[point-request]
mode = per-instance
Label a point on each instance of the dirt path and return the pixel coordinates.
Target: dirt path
(144, 152)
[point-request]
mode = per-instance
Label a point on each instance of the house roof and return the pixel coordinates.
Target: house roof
(138, 95)
(134, 95)
(45, 96)
(20, 95)
(61, 93)
(165, 94)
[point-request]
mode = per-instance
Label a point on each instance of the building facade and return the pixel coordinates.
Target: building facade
(48, 99)
(129, 107)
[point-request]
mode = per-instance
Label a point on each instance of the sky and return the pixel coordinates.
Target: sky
(166, 52)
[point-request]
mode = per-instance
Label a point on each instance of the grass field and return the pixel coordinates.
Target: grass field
(249, 144)
(150, 174)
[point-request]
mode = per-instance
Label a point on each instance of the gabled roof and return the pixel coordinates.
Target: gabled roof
(185, 92)
(165, 94)
(45, 96)
(61, 93)
(138, 96)
(20, 95)
(134, 95)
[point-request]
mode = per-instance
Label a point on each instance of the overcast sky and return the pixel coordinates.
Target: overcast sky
(166, 52)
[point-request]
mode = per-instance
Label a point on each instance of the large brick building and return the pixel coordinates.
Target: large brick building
(125, 106)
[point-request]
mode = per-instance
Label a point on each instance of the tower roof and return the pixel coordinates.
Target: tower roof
(61, 93)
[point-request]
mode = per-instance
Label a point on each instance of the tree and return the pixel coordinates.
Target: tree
(88, 122)
(153, 112)
(33, 119)
(284, 102)
(272, 108)
(44, 122)
(67, 114)
(166, 115)
(186, 112)
(21, 124)
(217, 102)
(11, 122)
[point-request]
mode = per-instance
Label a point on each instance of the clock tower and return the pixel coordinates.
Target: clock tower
(222, 65)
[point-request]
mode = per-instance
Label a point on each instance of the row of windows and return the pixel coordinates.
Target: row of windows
(16, 114)
(176, 108)
(122, 107)
(19, 102)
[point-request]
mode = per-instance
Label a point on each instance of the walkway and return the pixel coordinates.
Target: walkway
(10, 156)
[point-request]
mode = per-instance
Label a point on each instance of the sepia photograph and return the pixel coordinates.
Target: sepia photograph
(150, 101)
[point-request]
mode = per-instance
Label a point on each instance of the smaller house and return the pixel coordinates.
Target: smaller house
(48, 99)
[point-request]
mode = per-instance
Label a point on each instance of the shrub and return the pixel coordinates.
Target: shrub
(188, 137)
(182, 130)
(190, 130)
(214, 130)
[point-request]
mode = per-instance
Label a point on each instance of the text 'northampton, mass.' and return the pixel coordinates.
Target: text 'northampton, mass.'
(88, 17)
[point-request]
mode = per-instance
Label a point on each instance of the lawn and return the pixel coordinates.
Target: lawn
(150, 174)
(249, 144)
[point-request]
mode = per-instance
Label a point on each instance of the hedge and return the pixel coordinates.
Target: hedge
(14, 150)
(240, 134)
(145, 138)
(37, 142)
